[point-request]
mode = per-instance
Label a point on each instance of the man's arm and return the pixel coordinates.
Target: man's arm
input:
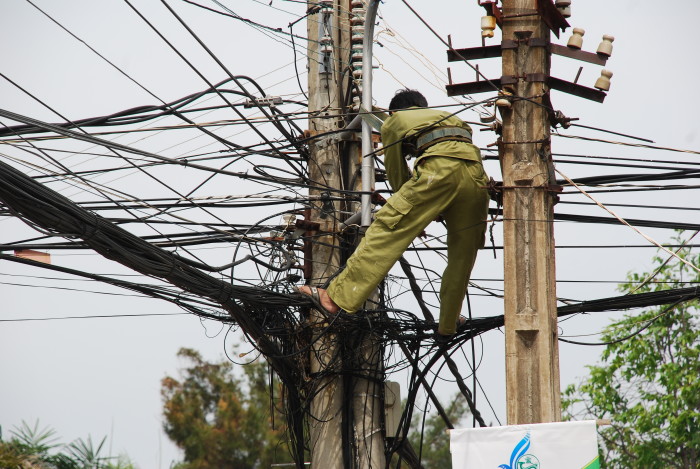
(397, 171)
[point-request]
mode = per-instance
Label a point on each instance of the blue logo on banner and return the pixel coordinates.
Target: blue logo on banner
(519, 459)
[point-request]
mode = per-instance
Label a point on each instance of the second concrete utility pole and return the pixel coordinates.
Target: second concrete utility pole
(532, 356)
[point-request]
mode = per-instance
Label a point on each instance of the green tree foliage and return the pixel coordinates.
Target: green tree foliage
(88, 455)
(221, 421)
(33, 448)
(648, 384)
(429, 438)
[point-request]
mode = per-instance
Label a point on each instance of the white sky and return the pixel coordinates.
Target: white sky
(102, 376)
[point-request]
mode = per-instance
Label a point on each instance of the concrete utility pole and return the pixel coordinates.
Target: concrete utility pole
(325, 435)
(532, 354)
(333, 64)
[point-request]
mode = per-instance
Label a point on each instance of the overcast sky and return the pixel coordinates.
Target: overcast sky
(102, 376)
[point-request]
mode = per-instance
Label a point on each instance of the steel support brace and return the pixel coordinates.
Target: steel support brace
(367, 146)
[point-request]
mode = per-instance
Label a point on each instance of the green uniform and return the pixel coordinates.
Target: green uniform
(449, 180)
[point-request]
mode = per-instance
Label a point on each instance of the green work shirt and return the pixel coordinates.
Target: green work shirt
(403, 124)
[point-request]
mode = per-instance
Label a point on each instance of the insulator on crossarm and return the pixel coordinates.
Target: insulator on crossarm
(605, 48)
(503, 100)
(488, 24)
(603, 82)
(576, 39)
(564, 7)
(357, 4)
(487, 118)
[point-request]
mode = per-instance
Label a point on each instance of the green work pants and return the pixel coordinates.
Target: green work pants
(451, 187)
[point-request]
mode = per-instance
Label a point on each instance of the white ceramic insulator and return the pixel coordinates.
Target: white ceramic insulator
(487, 118)
(503, 102)
(562, 3)
(357, 17)
(488, 24)
(565, 11)
(603, 83)
(576, 39)
(605, 48)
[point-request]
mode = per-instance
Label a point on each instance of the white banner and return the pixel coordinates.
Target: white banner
(560, 445)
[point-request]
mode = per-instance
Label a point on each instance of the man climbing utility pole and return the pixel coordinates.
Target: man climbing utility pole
(532, 357)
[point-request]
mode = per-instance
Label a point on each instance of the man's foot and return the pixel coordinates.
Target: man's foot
(441, 340)
(461, 322)
(321, 296)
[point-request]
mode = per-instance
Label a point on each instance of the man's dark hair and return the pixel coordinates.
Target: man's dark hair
(407, 98)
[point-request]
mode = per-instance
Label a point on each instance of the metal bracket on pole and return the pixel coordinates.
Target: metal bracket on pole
(551, 16)
(558, 84)
(528, 41)
(489, 52)
(530, 77)
(590, 57)
(576, 89)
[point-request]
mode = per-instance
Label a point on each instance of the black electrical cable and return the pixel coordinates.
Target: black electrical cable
(277, 315)
(666, 310)
(98, 141)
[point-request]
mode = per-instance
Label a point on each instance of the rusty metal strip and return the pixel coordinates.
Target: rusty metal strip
(552, 16)
(472, 87)
(589, 57)
(576, 90)
(473, 53)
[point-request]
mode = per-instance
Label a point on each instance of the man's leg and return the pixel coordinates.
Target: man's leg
(466, 226)
(405, 216)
